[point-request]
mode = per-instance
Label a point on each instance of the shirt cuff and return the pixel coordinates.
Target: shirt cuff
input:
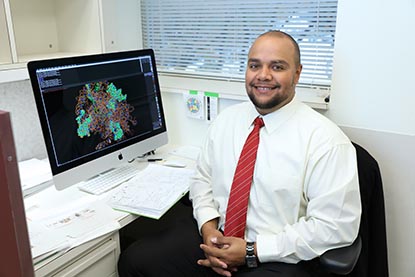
(205, 215)
(266, 248)
(275, 248)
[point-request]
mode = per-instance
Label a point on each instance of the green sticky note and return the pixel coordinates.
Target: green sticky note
(211, 94)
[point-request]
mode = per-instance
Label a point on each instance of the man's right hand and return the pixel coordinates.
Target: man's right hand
(210, 234)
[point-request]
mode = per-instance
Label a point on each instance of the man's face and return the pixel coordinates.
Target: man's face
(271, 74)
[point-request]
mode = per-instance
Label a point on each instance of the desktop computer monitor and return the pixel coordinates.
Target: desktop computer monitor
(97, 112)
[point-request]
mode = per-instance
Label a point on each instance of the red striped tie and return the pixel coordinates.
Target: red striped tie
(241, 185)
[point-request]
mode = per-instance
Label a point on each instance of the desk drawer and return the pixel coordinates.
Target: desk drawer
(98, 260)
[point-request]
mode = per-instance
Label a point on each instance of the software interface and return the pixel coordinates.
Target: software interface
(92, 107)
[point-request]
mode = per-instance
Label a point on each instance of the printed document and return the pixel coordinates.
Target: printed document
(34, 175)
(152, 191)
(59, 221)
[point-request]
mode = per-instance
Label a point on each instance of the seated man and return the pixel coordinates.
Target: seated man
(276, 184)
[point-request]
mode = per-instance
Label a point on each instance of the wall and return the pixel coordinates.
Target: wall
(372, 99)
(373, 69)
(17, 98)
(373, 96)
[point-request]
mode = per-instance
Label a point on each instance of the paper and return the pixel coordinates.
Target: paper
(61, 220)
(34, 173)
(80, 222)
(212, 100)
(152, 191)
(45, 241)
(194, 104)
(65, 231)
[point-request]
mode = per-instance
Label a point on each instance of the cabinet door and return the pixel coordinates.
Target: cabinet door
(44, 29)
(121, 25)
(78, 26)
(5, 53)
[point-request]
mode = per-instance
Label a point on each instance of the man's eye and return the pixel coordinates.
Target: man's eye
(253, 66)
(277, 67)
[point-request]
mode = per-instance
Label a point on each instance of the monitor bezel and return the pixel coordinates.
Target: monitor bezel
(86, 167)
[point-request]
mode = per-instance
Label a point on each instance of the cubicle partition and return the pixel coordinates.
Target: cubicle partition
(16, 259)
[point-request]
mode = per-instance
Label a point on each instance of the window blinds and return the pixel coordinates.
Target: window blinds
(211, 38)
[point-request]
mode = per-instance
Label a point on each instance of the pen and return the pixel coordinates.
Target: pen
(154, 160)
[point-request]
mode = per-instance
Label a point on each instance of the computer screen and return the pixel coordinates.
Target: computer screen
(97, 112)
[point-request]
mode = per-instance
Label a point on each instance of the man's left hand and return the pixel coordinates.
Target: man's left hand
(230, 250)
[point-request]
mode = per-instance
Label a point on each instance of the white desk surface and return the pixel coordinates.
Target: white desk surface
(52, 201)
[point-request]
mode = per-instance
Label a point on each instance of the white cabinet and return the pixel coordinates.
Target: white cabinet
(41, 29)
(48, 28)
(5, 54)
(121, 25)
(95, 258)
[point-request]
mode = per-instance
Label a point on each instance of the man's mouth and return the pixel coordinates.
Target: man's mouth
(265, 88)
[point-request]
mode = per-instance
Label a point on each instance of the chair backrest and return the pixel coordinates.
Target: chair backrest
(373, 259)
(16, 259)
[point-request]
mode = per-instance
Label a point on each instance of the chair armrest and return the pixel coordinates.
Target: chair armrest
(342, 260)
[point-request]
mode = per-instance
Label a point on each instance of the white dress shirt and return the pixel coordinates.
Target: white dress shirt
(304, 199)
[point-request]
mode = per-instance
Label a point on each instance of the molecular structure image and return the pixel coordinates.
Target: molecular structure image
(193, 105)
(102, 109)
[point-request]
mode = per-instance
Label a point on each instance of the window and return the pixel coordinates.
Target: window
(211, 38)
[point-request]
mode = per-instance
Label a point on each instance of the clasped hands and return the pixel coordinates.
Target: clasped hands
(223, 254)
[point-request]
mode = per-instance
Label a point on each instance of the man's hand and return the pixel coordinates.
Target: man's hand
(223, 254)
(228, 250)
(210, 233)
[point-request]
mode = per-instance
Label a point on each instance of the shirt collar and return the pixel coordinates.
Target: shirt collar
(275, 119)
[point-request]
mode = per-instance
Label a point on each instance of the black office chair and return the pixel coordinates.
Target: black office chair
(341, 261)
(367, 256)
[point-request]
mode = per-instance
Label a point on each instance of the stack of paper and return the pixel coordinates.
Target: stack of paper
(81, 218)
(34, 175)
(152, 191)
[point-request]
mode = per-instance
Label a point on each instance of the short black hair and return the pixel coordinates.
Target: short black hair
(278, 33)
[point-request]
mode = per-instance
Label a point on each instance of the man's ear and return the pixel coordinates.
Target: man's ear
(298, 73)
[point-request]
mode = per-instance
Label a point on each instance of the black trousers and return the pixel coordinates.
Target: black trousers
(173, 252)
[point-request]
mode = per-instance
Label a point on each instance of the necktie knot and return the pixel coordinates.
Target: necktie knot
(259, 122)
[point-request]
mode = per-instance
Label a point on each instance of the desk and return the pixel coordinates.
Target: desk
(97, 257)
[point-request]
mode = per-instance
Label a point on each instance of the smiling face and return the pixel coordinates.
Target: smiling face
(272, 72)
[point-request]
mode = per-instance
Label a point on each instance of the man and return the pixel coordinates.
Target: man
(303, 196)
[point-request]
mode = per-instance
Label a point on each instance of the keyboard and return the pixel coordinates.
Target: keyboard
(108, 180)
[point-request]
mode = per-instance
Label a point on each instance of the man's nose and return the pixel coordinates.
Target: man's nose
(264, 74)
